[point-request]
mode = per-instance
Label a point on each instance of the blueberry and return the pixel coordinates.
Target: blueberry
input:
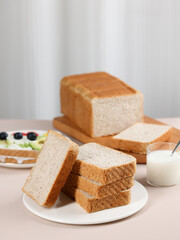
(18, 135)
(31, 136)
(3, 135)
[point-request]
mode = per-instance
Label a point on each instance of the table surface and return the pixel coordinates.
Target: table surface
(159, 219)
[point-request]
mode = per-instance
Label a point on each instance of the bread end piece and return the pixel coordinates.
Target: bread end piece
(76, 103)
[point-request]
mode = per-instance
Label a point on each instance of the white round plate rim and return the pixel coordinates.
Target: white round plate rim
(80, 217)
(23, 165)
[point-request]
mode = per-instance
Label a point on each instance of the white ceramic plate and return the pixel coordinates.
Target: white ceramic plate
(67, 211)
(21, 165)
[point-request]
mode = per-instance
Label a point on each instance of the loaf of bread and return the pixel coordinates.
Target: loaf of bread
(51, 170)
(100, 104)
(137, 137)
(92, 204)
(103, 164)
(96, 189)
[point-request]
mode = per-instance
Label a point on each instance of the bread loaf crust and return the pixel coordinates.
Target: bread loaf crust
(76, 105)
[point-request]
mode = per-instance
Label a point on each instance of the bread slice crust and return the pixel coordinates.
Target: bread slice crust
(91, 204)
(96, 189)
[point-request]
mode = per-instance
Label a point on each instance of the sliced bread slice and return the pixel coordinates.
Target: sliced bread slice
(92, 204)
(51, 170)
(103, 164)
(137, 137)
(96, 189)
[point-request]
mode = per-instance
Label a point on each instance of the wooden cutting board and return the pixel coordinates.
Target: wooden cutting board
(63, 124)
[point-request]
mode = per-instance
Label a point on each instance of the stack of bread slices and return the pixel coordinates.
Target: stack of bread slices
(101, 178)
(97, 177)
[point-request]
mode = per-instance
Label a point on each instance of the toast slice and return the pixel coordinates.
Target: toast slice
(103, 164)
(51, 170)
(96, 189)
(92, 204)
(137, 137)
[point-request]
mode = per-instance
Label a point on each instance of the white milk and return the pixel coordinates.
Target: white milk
(162, 169)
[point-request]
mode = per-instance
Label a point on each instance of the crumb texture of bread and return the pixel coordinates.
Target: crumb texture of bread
(112, 115)
(137, 137)
(51, 170)
(143, 132)
(103, 164)
(96, 189)
(92, 204)
(100, 104)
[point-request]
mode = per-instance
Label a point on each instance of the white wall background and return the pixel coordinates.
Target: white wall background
(43, 40)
